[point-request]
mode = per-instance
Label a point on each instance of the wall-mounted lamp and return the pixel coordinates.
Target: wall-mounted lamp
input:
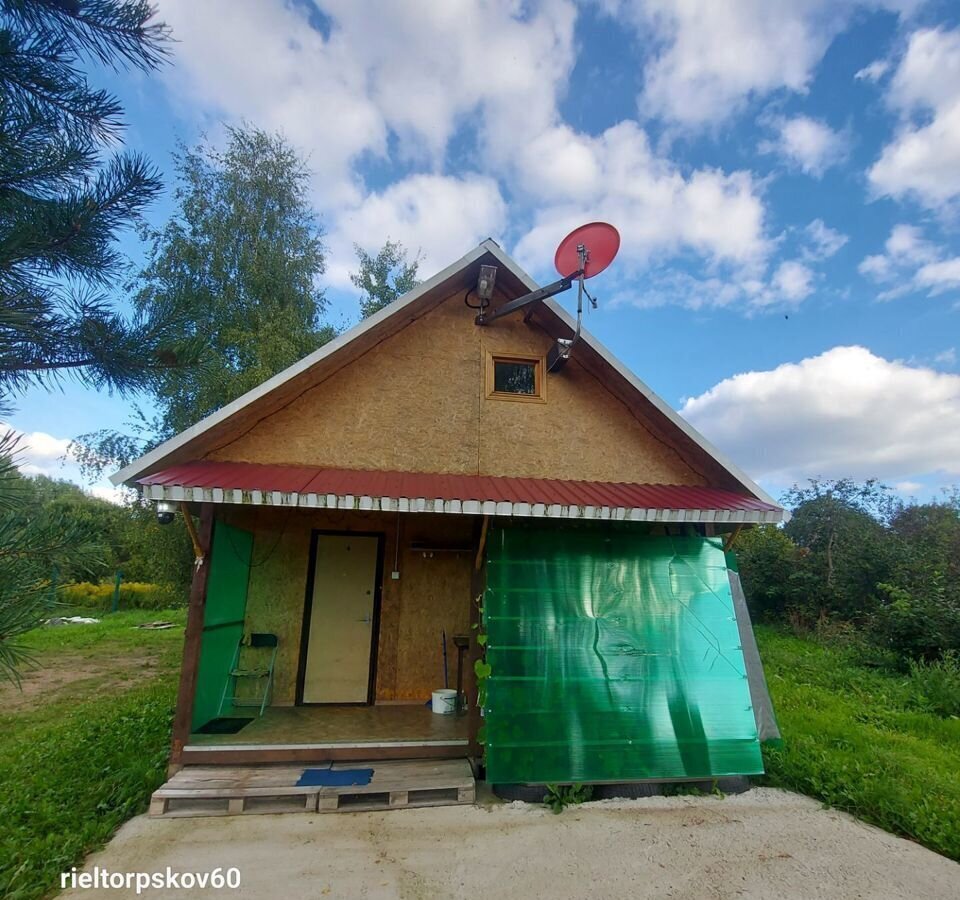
(488, 276)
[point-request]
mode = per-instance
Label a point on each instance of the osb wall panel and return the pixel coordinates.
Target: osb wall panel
(435, 597)
(416, 402)
(431, 594)
(410, 404)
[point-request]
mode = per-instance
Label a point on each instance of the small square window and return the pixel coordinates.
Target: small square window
(515, 377)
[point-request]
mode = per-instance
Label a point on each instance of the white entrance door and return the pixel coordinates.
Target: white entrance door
(340, 629)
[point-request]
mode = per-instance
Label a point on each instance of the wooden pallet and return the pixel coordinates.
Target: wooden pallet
(239, 790)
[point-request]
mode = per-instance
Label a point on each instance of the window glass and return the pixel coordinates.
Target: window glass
(514, 377)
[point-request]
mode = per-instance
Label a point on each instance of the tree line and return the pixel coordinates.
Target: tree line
(857, 563)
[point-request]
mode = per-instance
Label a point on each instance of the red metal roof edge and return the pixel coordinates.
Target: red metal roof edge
(377, 483)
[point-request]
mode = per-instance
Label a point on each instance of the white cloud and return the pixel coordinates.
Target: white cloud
(714, 57)
(906, 242)
(786, 288)
(873, 71)
(439, 215)
(807, 144)
(939, 276)
(910, 262)
(263, 62)
(793, 281)
(846, 412)
(572, 177)
(39, 453)
(116, 495)
(822, 241)
(419, 72)
(922, 160)
(946, 357)
(907, 487)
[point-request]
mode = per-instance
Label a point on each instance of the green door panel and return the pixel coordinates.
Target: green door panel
(222, 618)
(615, 656)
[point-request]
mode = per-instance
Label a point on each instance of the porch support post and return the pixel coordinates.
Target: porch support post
(478, 583)
(191, 641)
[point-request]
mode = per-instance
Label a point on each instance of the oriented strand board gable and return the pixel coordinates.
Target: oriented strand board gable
(417, 402)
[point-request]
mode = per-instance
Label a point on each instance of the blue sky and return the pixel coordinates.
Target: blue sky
(785, 177)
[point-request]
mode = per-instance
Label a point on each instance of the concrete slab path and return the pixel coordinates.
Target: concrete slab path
(761, 844)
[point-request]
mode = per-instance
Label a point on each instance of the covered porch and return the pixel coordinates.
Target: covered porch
(369, 613)
(370, 591)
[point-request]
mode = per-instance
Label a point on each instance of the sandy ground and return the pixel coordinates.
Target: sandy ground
(764, 843)
(67, 675)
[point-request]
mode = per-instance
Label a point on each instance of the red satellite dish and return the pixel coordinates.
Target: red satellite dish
(602, 241)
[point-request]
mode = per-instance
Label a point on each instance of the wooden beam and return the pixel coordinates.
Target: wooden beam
(478, 584)
(194, 537)
(192, 639)
(728, 543)
(478, 562)
(193, 757)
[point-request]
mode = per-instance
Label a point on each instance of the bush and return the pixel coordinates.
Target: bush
(937, 684)
(916, 626)
(133, 595)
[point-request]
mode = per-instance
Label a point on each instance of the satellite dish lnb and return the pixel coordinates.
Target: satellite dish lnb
(583, 253)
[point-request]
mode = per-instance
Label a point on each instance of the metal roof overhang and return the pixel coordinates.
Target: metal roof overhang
(311, 487)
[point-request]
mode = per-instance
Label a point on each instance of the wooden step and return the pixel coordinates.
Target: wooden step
(242, 790)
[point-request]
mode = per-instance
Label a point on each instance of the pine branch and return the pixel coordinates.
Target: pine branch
(116, 34)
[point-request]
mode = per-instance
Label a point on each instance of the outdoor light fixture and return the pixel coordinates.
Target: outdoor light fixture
(488, 275)
(165, 511)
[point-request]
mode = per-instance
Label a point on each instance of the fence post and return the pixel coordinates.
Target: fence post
(116, 590)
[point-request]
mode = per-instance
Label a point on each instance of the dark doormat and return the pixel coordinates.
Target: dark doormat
(223, 725)
(334, 778)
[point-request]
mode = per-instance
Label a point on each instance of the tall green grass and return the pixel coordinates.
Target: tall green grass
(862, 741)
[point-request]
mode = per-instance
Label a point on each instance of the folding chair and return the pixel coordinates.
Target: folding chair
(253, 663)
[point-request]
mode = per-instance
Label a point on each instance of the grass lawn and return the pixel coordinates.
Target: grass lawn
(856, 739)
(84, 744)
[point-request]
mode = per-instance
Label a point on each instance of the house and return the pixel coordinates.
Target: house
(424, 488)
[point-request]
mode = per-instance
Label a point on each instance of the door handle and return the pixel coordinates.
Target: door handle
(365, 620)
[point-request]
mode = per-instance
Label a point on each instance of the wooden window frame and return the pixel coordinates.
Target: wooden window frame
(539, 369)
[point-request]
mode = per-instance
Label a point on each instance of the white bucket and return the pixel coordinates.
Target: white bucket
(444, 702)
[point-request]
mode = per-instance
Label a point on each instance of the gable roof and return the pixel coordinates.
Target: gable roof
(391, 319)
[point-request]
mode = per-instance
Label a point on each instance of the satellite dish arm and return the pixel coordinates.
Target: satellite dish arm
(550, 290)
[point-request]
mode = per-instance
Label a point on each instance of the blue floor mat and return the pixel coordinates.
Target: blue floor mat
(334, 778)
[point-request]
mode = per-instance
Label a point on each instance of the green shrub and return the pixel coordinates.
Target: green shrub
(937, 684)
(918, 625)
(133, 595)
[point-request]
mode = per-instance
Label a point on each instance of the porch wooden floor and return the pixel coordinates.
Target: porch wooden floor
(236, 790)
(343, 726)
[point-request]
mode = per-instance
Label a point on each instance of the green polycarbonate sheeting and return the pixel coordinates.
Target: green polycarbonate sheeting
(615, 656)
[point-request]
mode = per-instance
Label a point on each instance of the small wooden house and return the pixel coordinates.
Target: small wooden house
(423, 488)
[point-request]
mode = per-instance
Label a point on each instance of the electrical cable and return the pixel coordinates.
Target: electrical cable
(482, 305)
(270, 552)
